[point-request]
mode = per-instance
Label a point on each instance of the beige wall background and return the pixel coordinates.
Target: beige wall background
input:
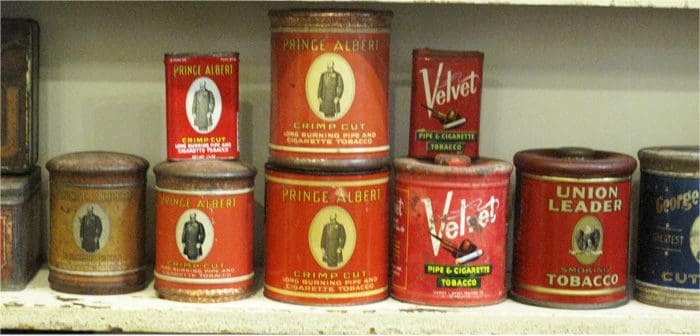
(617, 79)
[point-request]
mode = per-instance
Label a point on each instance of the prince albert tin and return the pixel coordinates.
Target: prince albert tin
(202, 105)
(449, 219)
(20, 69)
(572, 227)
(97, 222)
(204, 230)
(329, 106)
(668, 259)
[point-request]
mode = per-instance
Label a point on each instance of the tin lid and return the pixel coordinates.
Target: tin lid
(436, 53)
(201, 54)
(453, 165)
(684, 160)
(347, 19)
(574, 162)
(17, 188)
(205, 169)
(97, 163)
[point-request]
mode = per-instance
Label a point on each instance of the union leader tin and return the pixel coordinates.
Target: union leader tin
(97, 222)
(202, 105)
(445, 102)
(668, 259)
(572, 226)
(20, 222)
(204, 230)
(326, 236)
(449, 219)
(20, 92)
(329, 98)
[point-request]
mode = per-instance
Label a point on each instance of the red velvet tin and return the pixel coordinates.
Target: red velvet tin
(202, 105)
(445, 103)
(449, 246)
(326, 236)
(572, 227)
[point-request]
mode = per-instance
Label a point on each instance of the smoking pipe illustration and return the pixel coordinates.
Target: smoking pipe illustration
(448, 120)
(466, 252)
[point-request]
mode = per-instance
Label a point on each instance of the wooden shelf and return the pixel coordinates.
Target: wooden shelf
(579, 3)
(40, 308)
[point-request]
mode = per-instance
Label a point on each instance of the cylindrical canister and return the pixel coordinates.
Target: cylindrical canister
(329, 98)
(445, 103)
(204, 230)
(326, 236)
(202, 105)
(572, 227)
(449, 219)
(98, 220)
(668, 258)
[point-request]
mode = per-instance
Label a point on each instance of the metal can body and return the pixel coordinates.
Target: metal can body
(449, 246)
(329, 100)
(20, 223)
(572, 227)
(204, 230)
(326, 236)
(445, 103)
(97, 223)
(668, 258)
(20, 84)
(202, 105)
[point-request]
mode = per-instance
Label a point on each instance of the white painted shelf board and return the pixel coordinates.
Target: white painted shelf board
(40, 308)
(688, 4)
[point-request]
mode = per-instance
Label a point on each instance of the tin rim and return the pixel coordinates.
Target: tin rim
(97, 163)
(202, 54)
(346, 19)
(680, 161)
(205, 169)
(438, 53)
(574, 162)
(311, 172)
(482, 168)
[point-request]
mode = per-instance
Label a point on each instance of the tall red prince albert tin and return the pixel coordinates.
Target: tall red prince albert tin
(202, 105)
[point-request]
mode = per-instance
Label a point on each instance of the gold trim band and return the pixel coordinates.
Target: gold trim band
(326, 295)
(327, 183)
(205, 192)
(329, 150)
(105, 273)
(332, 30)
(572, 292)
(220, 281)
(577, 180)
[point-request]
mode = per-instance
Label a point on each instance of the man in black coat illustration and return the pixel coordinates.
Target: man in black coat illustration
(333, 242)
(330, 89)
(90, 231)
(192, 238)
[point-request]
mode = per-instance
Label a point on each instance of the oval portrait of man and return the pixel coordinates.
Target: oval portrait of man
(695, 239)
(91, 228)
(330, 86)
(194, 235)
(332, 237)
(203, 105)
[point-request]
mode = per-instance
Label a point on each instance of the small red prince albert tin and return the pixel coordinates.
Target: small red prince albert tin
(202, 105)
(449, 223)
(572, 227)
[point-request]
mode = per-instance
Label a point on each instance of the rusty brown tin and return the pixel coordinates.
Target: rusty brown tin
(20, 92)
(97, 222)
(668, 258)
(20, 221)
(572, 227)
(204, 230)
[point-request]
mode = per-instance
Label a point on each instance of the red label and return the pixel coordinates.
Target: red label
(449, 244)
(445, 103)
(202, 106)
(571, 241)
(329, 95)
(5, 243)
(326, 238)
(204, 241)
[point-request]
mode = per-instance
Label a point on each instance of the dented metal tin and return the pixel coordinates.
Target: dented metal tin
(668, 255)
(204, 230)
(326, 236)
(97, 222)
(20, 229)
(202, 105)
(445, 103)
(572, 227)
(449, 225)
(20, 92)
(329, 106)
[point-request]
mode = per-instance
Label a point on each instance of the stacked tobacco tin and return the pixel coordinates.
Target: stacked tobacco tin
(327, 176)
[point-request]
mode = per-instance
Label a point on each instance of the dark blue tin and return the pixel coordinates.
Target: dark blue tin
(668, 259)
